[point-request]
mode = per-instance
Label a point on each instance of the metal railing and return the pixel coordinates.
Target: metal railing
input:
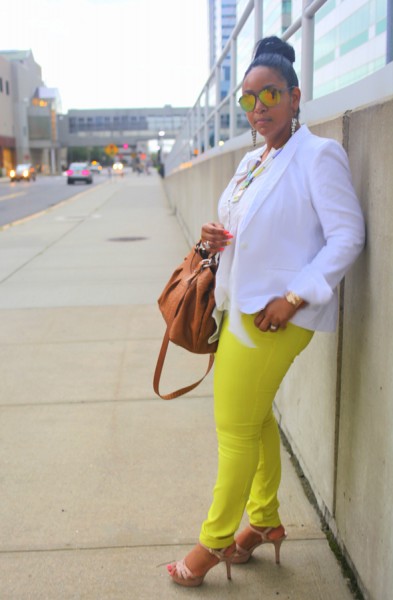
(213, 120)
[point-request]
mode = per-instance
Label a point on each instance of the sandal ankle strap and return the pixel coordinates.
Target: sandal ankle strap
(218, 553)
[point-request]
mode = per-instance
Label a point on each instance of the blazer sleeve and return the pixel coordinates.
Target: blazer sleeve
(338, 209)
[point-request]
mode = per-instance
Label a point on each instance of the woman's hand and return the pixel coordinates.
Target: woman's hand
(215, 237)
(275, 315)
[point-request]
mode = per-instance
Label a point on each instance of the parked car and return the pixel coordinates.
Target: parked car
(118, 169)
(79, 171)
(24, 172)
(95, 166)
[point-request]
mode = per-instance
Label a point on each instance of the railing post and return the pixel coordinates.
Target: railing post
(389, 31)
(233, 82)
(190, 136)
(217, 77)
(206, 129)
(199, 139)
(258, 20)
(307, 62)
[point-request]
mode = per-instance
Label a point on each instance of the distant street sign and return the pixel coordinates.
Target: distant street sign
(111, 149)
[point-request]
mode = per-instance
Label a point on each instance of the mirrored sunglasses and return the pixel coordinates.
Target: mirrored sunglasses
(269, 96)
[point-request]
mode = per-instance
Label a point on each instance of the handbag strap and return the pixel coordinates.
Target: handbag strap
(158, 371)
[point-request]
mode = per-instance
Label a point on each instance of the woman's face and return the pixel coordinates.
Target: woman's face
(273, 123)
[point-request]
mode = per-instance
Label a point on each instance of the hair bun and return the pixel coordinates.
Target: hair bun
(273, 45)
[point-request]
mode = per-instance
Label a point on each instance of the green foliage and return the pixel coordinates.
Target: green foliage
(76, 154)
(87, 154)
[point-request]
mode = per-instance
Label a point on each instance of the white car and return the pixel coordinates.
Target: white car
(118, 169)
(24, 172)
(79, 172)
(95, 167)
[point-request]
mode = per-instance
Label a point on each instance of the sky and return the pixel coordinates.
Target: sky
(114, 53)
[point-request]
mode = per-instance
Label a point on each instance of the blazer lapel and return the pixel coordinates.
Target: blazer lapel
(276, 171)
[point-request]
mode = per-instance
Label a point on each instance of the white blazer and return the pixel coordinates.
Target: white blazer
(302, 231)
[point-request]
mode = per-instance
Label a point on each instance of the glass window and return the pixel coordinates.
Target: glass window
(1, 84)
(272, 20)
(325, 10)
(380, 16)
(324, 50)
(245, 47)
(241, 5)
(380, 27)
(357, 23)
(286, 7)
(336, 83)
(7, 88)
(354, 42)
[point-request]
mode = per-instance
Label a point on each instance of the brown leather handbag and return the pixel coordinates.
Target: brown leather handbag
(187, 303)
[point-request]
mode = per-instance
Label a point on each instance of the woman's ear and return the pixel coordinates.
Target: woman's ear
(295, 99)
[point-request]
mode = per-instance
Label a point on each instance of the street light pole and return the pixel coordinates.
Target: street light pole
(161, 135)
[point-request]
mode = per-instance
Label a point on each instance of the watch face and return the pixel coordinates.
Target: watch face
(293, 298)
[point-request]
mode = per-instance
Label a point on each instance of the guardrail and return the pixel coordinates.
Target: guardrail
(214, 120)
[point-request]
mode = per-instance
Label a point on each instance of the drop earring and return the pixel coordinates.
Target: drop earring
(293, 125)
(254, 137)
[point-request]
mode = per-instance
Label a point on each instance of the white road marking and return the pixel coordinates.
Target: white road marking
(9, 196)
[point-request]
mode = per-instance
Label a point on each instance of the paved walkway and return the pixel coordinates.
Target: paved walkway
(102, 483)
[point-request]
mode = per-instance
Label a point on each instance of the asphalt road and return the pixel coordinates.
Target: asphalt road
(23, 199)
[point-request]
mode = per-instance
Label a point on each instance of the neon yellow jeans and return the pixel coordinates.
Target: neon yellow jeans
(249, 466)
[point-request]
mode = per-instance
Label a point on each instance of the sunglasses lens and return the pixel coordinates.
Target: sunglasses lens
(247, 102)
(270, 96)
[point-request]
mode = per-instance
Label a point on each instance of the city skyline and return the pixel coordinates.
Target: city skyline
(114, 53)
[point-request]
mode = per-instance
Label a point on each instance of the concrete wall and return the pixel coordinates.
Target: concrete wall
(336, 403)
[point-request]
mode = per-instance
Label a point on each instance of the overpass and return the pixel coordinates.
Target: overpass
(129, 127)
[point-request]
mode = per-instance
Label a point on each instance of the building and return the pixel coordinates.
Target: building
(222, 20)
(28, 125)
(32, 128)
(7, 133)
(350, 39)
(350, 42)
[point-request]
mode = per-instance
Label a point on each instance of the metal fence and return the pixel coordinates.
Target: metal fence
(215, 119)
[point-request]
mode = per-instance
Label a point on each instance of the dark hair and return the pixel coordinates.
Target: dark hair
(278, 55)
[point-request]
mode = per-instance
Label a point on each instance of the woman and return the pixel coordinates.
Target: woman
(290, 227)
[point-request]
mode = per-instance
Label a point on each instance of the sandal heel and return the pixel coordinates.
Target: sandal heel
(242, 555)
(277, 546)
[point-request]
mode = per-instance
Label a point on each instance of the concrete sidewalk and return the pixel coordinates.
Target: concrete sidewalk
(102, 482)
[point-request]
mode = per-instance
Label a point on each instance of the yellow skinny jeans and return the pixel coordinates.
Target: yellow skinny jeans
(249, 466)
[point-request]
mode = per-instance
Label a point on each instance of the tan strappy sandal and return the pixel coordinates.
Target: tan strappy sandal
(182, 575)
(242, 555)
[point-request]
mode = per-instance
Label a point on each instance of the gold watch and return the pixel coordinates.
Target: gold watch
(293, 299)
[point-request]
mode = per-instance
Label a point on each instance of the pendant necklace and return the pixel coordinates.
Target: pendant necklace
(253, 173)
